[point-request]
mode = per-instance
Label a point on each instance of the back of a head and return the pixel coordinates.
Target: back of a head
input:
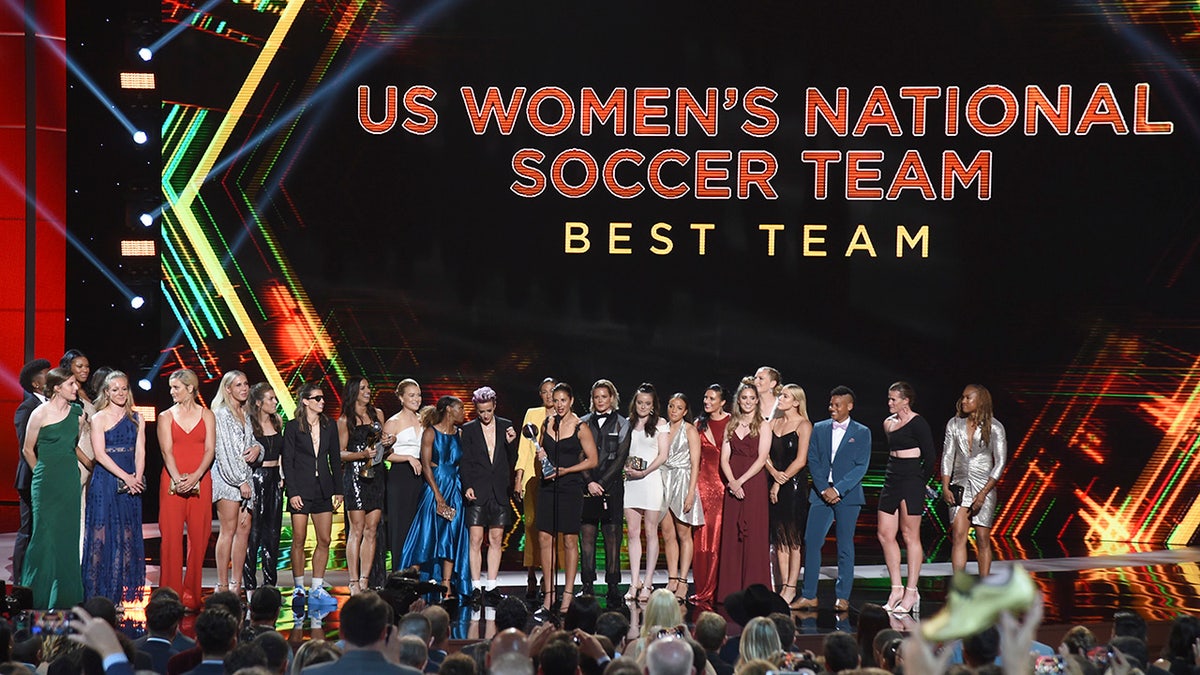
(760, 640)
(439, 622)
(614, 626)
(275, 647)
(511, 613)
(669, 656)
(163, 615)
(559, 657)
(458, 664)
(509, 640)
(513, 663)
(313, 652)
(265, 604)
(364, 617)
(754, 667)
(1079, 640)
(102, 608)
(699, 656)
(245, 655)
(882, 638)
(710, 630)
(981, 648)
(416, 623)
(414, 652)
(871, 620)
(14, 668)
(662, 610)
(1133, 648)
(841, 652)
(785, 625)
(582, 614)
(1182, 638)
(1128, 623)
(215, 631)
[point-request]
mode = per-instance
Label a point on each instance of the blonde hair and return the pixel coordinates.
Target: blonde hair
(188, 379)
(661, 610)
(756, 418)
(760, 640)
(102, 401)
(405, 384)
(797, 393)
(774, 376)
(221, 399)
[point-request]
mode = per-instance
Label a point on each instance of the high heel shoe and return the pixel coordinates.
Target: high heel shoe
(632, 593)
(914, 608)
(354, 588)
(681, 589)
(644, 595)
(894, 599)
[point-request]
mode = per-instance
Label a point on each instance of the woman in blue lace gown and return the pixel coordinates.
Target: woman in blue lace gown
(439, 530)
(114, 563)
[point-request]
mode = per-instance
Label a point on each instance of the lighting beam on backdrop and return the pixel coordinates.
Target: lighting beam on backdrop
(176, 30)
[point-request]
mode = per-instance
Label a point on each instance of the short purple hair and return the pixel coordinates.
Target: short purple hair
(483, 395)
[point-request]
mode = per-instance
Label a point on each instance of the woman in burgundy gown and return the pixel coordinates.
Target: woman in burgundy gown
(745, 539)
(707, 538)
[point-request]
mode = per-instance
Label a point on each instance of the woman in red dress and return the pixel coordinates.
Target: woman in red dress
(745, 538)
(187, 438)
(707, 538)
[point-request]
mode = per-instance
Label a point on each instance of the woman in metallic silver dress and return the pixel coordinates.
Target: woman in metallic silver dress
(973, 458)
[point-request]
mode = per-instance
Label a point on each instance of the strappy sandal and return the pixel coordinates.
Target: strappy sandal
(644, 596)
(364, 584)
(632, 593)
(681, 589)
(354, 588)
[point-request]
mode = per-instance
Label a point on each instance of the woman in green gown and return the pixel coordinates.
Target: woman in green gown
(51, 567)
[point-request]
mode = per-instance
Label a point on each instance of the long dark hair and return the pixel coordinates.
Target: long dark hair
(350, 399)
(257, 393)
(704, 417)
(652, 419)
(306, 390)
(982, 417)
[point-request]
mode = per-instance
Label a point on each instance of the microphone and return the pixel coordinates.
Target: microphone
(529, 431)
(557, 419)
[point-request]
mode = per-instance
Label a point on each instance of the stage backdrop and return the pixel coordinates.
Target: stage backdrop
(679, 192)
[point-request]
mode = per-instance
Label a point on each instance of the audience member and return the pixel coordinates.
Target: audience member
(669, 656)
(615, 627)
(882, 638)
(245, 655)
(416, 623)
(582, 614)
(982, 648)
(512, 613)
(754, 667)
(276, 649)
(439, 628)
(710, 633)
(414, 653)
(559, 657)
(1128, 623)
(366, 627)
(1178, 656)
(216, 636)
(314, 652)
(760, 640)
(163, 614)
(458, 664)
(514, 663)
(265, 604)
(871, 620)
(785, 625)
(841, 652)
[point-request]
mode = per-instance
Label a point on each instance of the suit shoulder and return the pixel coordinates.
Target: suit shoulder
(470, 425)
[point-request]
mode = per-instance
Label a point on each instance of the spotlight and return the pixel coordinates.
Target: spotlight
(132, 80)
(146, 219)
(144, 384)
(138, 248)
(145, 54)
(137, 301)
(140, 137)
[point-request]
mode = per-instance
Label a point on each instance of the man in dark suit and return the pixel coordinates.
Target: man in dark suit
(33, 379)
(489, 446)
(371, 640)
(162, 624)
(216, 633)
(838, 454)
(604, 498)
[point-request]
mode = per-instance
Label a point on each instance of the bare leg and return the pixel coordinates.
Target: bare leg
(959, 529)
(983, 549)
(241, 544)
(476, 540)
(367, 557)
(448, 576)
(354, 544)
(889, 526)
(795, 561)
(910, 529)
(546, 546)
(634, 519)
(671, 547)
(684, 532)
(570, 563)
(651, 545)
(323, 524)
(227, 512)
(299, 534)
(495, 548)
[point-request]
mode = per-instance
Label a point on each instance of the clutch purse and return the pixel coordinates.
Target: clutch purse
(448, 513)
(636, 463)
(957, 492)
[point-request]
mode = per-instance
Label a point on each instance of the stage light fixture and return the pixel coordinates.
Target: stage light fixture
(137, 301)
(140, 137)
(146, 219)
(145, 54)
(144, 384)
(138, 248)
(130, 80)
(146, 411)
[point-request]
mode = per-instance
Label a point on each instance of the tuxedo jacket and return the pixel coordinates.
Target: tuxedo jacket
(612, 449)
(849, 466)
(310, 474)
(21, 419)
(488, 477)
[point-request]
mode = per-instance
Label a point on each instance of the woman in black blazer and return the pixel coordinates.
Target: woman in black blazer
(489, 447)
(310, 464)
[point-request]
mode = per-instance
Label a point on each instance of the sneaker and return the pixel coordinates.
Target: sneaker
(299, 600)
(492, 598)
(318, 617)
(476, 598)
(320, 596)
(972, 606)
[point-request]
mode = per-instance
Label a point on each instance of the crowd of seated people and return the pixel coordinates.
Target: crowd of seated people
(377, 634)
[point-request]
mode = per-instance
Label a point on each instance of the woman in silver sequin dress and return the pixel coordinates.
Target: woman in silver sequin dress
(681, 505)
(232, 487)
(973, 458)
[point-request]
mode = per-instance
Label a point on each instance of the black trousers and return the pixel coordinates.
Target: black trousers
(403, 495)
(264, 528)
(22, 542)
(606, 514)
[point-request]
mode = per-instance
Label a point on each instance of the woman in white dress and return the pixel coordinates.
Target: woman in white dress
(404, 482)
(644, 487)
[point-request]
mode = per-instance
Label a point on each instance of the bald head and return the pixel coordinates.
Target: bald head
(508, 641)
(669, 656)
(511, 663)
